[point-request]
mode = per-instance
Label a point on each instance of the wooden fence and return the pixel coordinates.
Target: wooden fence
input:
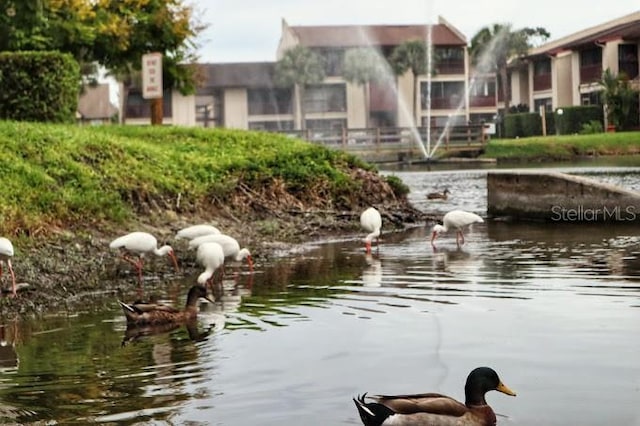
(401, 140)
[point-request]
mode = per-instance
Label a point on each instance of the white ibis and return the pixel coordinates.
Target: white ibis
(195, 231)
(140, 244)
(230, 246)
(6, 253)
(439, 195)
(457, 220)
(211, 256)
(371, 221)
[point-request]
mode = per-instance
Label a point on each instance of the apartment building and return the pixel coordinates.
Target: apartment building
(245, 96)
(567, 71)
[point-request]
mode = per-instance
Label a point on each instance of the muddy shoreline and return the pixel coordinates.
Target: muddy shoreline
(68, 270)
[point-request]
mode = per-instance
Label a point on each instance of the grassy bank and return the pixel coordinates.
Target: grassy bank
(68, 176)
(563, 147)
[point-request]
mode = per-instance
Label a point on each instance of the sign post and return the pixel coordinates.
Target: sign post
(152, 84)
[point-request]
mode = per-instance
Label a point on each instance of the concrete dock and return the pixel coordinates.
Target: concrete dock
(558, 197)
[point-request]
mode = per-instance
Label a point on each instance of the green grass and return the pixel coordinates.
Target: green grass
(564, 147)
(69, 175)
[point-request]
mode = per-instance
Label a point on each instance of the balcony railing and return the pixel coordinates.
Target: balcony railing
(482, 101)
(541, 82)
(590, 73)
(269, 108)
(452, 67)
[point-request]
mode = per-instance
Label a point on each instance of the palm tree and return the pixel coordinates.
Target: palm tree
(410, 55)
(362, 66)
(492, 47)
(619, 97)
(299, 67)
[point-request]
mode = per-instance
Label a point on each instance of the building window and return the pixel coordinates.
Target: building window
(209, 109)
(271, 126)
(325, 98)
(331, 124)
(547, 103)
(449, 60)
(333, 60)
(444, 94)
(590, 98)
(269, 101)
(628, 60)
(590, 65)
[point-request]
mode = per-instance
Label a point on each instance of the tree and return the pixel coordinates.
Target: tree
(127, 29)
(492, 47)
(362, 66)
(112, 33)
(619, 99)
(410, 55)
(299, 67)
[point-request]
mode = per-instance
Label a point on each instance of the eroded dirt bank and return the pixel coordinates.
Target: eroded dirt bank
(72, 268)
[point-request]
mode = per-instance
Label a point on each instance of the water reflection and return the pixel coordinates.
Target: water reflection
(553, 307)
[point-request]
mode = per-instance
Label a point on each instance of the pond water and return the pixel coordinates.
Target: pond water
(554, 308)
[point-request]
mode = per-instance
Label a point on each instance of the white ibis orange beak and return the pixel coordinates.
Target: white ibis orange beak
(174, 260)
(434, 235)
(250, 263)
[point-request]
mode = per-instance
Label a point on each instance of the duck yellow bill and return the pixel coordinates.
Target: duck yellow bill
(504, 389)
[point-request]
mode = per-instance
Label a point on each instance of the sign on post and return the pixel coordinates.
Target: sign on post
(152, 75)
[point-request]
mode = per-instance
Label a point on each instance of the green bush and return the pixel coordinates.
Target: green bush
(591, 127)
(522, 125)
(573, 118)
(38, 86)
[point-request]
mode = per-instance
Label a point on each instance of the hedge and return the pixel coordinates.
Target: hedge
(573, 118)
(39, 86)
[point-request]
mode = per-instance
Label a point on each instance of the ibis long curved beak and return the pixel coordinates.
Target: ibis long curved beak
(504, 389)
(434, 235)
(174, 260)
(250, 263)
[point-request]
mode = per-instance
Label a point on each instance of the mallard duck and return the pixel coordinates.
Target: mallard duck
(432, 409)
(455, 219)
(438, 195)
(153, 313)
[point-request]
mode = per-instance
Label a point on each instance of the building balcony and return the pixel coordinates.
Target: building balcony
(482, 101)
(452, 67)
(590, 73)
(541, 82)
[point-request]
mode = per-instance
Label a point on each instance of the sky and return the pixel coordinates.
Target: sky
(249, 30)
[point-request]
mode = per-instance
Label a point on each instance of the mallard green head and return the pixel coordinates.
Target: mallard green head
(480, 381)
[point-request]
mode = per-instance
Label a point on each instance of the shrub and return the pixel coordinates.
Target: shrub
(522, 125)
(591, 127)
(573, 118)
(38, 86)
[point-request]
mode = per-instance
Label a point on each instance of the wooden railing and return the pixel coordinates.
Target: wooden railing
(453, 137)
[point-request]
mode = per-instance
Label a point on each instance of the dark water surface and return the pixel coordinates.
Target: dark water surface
(554, 308)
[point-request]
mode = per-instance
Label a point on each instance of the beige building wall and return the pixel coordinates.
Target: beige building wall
(287, 40)
(405, 99)
(562, 81)
(610, 56)
(236, 111)
(183, 109)
(356, 111)
(575, 78)
(519, 87)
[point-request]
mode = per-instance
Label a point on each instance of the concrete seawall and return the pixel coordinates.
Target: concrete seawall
(559, 197)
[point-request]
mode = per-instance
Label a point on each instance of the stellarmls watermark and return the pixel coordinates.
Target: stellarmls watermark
(590, 214)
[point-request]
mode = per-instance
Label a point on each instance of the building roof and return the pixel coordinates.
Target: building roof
(95, 104)
(625, 27)
(241, 74)
(375, 35)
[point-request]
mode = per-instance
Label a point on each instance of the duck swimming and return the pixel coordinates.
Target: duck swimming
(438, 195)
(433, 409)
(154, 313)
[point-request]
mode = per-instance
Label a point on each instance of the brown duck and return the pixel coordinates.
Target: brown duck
(432, 409)
(153, 313)
(438, 195)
